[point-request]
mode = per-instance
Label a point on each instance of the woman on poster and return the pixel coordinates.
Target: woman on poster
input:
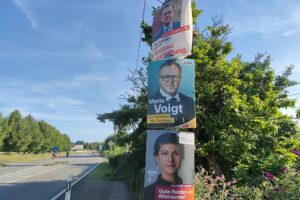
(168, 155)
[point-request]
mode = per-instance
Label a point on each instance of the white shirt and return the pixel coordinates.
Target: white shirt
(167, 96)
(168, 28)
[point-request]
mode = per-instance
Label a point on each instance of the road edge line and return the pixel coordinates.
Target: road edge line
(76, 181)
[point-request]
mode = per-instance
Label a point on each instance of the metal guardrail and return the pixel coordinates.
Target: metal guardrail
(68, 188)
(70, 184)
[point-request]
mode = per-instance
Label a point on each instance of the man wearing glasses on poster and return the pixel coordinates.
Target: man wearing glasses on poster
(167, 100)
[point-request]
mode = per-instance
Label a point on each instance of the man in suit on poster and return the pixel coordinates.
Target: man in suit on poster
(167, 100)
(167, 16)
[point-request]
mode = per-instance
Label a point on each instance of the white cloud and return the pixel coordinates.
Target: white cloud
(289, 33)
(54, 107)
(64, 117)
(265, 18)
(37, 13)
(14, 51)
(59, 116)
(268, 27)
(90, 52)
(24, 5)
(91, 77)
(77, 82)
(62, 103)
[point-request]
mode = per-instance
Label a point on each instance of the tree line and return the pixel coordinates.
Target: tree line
(18, 134)
(88, 145)
(241, 131)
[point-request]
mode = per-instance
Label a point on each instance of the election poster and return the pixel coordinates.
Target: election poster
(169, 170)
(171, 94)
(172, 30)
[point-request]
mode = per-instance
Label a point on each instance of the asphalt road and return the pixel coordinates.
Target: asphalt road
(44, 179)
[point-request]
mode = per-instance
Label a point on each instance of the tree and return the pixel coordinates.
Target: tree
(65, 142)
(3, 131)
(79, 142)
(1, 125)
(91, 146)
(33, 130)
(298, 113)
(131, 116)
(238, 108)
(16, 140)
(241, 131)
(48, 134)
(28, 135)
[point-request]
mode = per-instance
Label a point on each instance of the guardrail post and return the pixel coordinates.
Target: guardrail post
(68, 188)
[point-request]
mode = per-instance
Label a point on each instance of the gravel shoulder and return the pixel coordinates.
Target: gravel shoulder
(91, 189)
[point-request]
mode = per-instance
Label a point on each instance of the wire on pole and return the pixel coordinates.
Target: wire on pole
(140, 40)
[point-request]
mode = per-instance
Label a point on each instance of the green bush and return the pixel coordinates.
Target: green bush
(211, 187)
(250, 192)
(208, 186)
(125, 166)
(285, 186)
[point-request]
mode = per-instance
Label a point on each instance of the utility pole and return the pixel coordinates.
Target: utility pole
(114, 146)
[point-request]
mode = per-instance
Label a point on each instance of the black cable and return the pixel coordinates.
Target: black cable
(138, 55)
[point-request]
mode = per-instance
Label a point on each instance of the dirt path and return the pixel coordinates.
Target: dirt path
(89, 189)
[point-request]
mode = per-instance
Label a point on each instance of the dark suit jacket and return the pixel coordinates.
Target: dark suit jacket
(188, 107)
(160, 31)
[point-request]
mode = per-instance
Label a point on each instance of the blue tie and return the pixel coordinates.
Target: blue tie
(173, 99)
(168, 28)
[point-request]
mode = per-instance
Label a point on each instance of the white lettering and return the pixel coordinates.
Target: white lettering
(164, 109)
(161, 191)
(174, 110)
(155, 101)
(157, 109)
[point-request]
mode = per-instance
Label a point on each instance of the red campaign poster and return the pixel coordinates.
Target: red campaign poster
(172, 30)
(184, 192)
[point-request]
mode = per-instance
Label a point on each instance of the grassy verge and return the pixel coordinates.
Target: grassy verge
(83, 151)
(24, 157)
(103, 172)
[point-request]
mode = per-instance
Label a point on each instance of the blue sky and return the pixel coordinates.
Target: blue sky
(65, 61)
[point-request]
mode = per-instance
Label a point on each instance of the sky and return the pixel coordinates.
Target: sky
(67, 61)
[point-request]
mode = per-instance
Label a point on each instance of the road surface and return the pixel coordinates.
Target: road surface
(44, 179)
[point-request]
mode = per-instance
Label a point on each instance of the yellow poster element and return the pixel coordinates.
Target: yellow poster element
(160, 118)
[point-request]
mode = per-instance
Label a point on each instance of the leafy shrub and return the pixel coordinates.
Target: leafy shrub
(250, 192)
(126, 167)
(209, 186)
(285, 186)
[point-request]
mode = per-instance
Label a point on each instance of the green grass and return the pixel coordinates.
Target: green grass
(2, 164)
(24, 157)
(103, 172)
(83, 151)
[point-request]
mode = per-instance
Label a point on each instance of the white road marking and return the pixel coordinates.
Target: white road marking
(26, 173)
(76, 180)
